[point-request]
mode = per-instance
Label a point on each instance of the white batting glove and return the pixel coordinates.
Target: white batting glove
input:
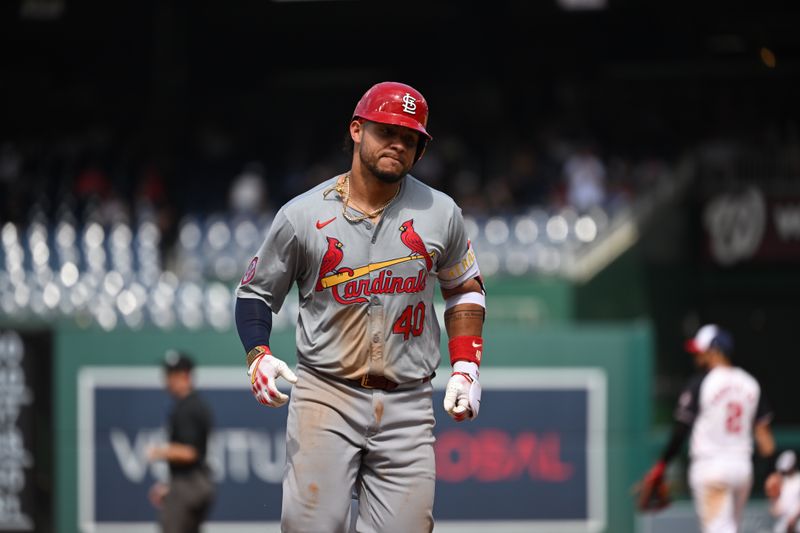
(462, 398)
(263, 372)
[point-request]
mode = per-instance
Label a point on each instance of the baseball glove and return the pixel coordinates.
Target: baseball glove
(652, 492)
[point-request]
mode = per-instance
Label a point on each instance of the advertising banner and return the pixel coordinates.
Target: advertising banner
(751, 226)
(25, 433)
(534, 460)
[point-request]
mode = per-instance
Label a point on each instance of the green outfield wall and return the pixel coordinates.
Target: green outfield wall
(622, 352)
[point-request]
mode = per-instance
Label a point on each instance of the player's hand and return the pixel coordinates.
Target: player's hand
(263, 372)
(154, 453)
(157, 493)
(772, 486)
(462, 398)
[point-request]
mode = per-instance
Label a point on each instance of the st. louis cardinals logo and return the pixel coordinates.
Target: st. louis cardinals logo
(354, 284)
(409, 104)
(251, 272)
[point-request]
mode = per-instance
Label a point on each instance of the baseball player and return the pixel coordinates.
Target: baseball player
(365, 248)
(723, 408)
(782, 487)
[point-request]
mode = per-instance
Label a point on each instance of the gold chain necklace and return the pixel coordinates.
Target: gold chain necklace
(344, 191)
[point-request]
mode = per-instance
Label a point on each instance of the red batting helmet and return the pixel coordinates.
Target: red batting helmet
(390, 102)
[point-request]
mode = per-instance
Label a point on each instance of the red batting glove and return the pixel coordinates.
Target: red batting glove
(263, 372)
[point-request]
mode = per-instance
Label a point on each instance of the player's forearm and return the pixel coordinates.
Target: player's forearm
(680, 432)
(177, 453)
(765, 442)
(464, 314)
(464, 319)
(253, 322)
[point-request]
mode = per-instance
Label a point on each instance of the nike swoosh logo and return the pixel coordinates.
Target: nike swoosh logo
(476, 345)
(321, 225)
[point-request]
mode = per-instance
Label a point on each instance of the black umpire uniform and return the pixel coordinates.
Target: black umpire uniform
(191, 490)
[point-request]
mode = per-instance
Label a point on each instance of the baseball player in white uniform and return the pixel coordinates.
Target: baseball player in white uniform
(783, 489)
(365, 249)
(723, 408)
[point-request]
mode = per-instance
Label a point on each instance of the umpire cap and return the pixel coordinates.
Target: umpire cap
(175, 361)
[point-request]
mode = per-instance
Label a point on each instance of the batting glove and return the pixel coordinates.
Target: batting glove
(263, 372)
(462, 398)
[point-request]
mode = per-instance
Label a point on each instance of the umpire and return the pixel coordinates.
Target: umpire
(186, 499)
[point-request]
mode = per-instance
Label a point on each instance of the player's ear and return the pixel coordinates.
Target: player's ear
(356, 130)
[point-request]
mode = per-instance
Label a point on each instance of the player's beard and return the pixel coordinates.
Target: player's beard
(371, 164)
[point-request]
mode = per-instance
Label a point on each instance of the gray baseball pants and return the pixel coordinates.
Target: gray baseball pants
(340, 437)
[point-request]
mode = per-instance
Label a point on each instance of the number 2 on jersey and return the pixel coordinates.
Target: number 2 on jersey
(733, 417)
(410, 322)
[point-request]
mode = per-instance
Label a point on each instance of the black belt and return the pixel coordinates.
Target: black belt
(375, 381)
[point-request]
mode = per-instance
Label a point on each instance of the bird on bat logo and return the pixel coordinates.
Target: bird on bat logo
(333, 256)
(414, 242)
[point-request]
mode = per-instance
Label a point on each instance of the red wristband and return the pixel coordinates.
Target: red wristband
(466, 348)
(257, 352)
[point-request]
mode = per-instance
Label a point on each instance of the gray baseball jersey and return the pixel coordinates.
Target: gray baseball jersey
(365, 290)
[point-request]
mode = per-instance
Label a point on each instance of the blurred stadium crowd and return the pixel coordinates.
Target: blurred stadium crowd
(155, 182)
(89, 231)
(93, 232)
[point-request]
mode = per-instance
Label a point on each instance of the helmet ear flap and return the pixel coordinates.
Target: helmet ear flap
(421, 145)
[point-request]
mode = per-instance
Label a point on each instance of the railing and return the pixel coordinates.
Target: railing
(117, 275)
